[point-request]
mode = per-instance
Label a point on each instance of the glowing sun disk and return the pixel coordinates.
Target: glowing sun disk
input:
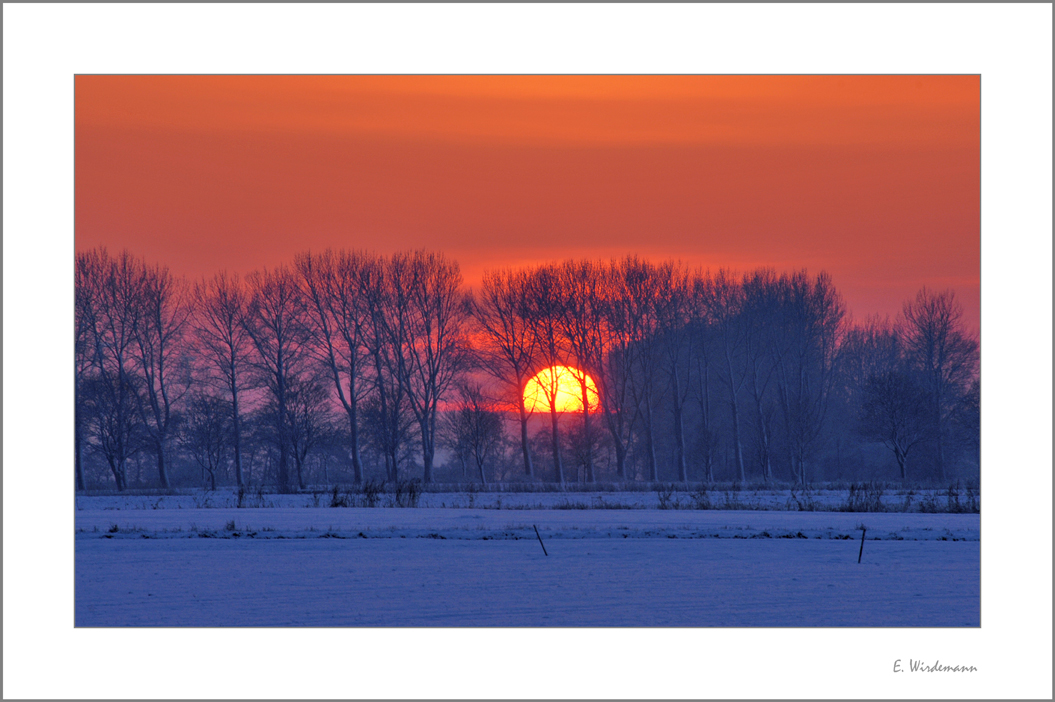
(563, 385)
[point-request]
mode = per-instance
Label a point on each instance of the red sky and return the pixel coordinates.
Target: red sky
(872, 178)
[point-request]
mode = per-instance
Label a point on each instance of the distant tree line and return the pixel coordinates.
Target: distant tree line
(346, 366)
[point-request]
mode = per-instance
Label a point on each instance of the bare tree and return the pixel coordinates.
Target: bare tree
(161, 355)
(764, 349)
(389, 339)
(642, 285)
(812, 315)
(206, 433)
(725, 301)
(966, 422)
(930, 329)
(110, 292)
(868, 349)
(384, 297)
(581, 324)
(276, 324)
(620, 335)
(474, 427)
(340, 320)
(433, 342)
(673, 312)
(702, 333)
(87, 279)
(221, 305)
(894, 411)
(308, 419)
(501, 311)
(544, 313)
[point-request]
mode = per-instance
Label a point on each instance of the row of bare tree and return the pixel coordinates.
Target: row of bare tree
(693, 370)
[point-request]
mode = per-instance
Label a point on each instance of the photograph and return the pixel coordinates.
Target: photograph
(527, 350)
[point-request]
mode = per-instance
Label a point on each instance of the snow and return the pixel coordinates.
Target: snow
(480, 524)
(435, 566)
(723, 499)
(583, 582)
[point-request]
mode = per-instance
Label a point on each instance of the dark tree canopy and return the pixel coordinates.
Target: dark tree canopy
(349, 365)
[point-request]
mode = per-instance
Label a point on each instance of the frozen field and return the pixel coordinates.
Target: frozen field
(595, 582)
(304, 566)
(489, 524)
(925, 500)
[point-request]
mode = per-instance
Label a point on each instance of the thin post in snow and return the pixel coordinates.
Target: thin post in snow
(863, 531)
(540, 540)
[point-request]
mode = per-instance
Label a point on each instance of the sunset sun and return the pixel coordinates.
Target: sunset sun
(562, 384)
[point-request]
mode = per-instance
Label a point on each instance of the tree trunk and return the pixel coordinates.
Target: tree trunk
(237, 427)
(620, 459)
(427, 449)
(620, 448)
(529, 469)
(162, 474)
(353, 421)
(298, 462)
(392, 462)
(763, 439)
(650, 445)
(427, 461)
(555, 436)
(238, 456)
(586, 434)
(283, 467)
(117, 470)
(939, 425)
(737, 448)
(77, 451)
(679, 430)
(283, 437)
(705, 417)
(902, 458)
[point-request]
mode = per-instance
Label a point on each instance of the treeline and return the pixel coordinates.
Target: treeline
(349, 366)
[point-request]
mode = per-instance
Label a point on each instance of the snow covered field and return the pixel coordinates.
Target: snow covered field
(484, 524)
(583, 582)
(925, 500)
(138, 565)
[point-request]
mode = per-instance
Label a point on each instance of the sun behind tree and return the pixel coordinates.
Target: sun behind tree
(562, 384)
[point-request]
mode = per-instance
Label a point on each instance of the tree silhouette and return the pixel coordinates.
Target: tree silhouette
(207, 432)
(111, 305)
(713, 375)
(508, 352)
(474, 428)
(223, 341)
(340, 319)
(162, 357)
(544, 312)
(581, 301)
(434, 345)
(725, 303)
(929, 329)
(895, 412)
(812, 315)
(277, 325)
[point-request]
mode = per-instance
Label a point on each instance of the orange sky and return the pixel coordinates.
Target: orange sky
(872, 178)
